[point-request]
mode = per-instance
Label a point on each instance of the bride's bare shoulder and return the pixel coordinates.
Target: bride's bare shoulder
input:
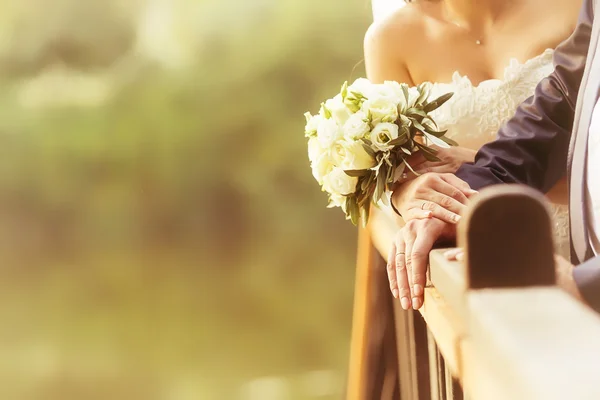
(398, 32)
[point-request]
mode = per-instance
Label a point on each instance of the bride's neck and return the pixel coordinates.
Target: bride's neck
(474, 13)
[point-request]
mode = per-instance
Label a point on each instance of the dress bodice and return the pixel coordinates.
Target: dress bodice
(476, 112)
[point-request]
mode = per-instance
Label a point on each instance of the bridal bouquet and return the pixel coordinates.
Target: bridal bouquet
(359, 141)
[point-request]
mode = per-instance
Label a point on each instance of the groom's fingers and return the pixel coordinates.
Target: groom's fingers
(438, 212)
(443, 187)
(459, 184)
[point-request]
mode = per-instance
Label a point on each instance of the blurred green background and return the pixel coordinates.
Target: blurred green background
(161, 235)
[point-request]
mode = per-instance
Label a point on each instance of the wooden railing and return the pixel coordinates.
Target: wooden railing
(493, 327)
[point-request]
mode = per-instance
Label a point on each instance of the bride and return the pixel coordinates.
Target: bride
(491, 54)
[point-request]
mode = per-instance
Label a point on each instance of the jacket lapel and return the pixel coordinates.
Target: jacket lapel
(588, 96)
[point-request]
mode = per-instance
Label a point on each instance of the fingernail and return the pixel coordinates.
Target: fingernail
(428, 214)
(415, 303)
(456, 218)
(418, 290)
(460, 256)
(395, 293)
(471, 191)
(448, 253)
(405, 303)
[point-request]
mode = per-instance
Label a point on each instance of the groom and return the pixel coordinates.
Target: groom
(558, 126)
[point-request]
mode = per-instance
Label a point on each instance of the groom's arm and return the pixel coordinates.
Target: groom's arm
(532, 146)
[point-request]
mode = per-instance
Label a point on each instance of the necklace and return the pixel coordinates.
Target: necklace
(468, 32)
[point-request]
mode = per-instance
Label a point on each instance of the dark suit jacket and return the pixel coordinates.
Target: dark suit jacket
(548, 136)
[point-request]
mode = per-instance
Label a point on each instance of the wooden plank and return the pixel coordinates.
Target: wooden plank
(449, 279)
(357, 374)
(447, 330)
(534, 343)
(436, 369)
(406, 362)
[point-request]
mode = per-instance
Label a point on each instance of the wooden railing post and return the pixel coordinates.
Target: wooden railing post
(507, 239)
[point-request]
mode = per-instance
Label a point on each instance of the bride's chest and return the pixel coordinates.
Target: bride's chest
(476, 111)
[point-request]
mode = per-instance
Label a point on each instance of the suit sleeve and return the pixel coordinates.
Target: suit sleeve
(587, 278)
(532, 147)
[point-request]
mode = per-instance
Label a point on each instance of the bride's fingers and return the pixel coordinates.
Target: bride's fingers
(391, 270)
(400, 271)
(409, 240)
(452, 254)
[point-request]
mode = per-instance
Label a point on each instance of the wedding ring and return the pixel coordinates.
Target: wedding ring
(423, 206)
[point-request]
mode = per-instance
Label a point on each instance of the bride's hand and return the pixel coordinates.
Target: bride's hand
(450, 160)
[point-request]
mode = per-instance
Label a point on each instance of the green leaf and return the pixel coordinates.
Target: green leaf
(418, 125)
(367, 181)
(356, 172)
(401, 139)
(434, 132)
(352, 209)
(423, 94)
(437, 141)
(428, 153)
(449, 141)
(406, 151)
(344, 90)
(365, 214)
(415, 113)
(437, 102)
(369, 150)
(405, 91)
(380, 188)
(326, 111)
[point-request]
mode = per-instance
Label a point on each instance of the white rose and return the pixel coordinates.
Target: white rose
(337, 200)
(382, 108)
(337, 182)
(328, 132)
(413, 95)
(339, 111)
(314, 149)
(322, 166)
(351, 155)
(382, 134)
(398, 91)
(312, 123)
(362, 86)
(356, 127)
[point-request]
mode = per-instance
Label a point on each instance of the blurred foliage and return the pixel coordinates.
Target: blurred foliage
(173, 229)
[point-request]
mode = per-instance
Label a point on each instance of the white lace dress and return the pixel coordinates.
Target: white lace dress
(475, 113)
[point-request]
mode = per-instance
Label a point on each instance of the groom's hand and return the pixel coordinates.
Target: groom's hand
(443, 196)
(407, 261)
